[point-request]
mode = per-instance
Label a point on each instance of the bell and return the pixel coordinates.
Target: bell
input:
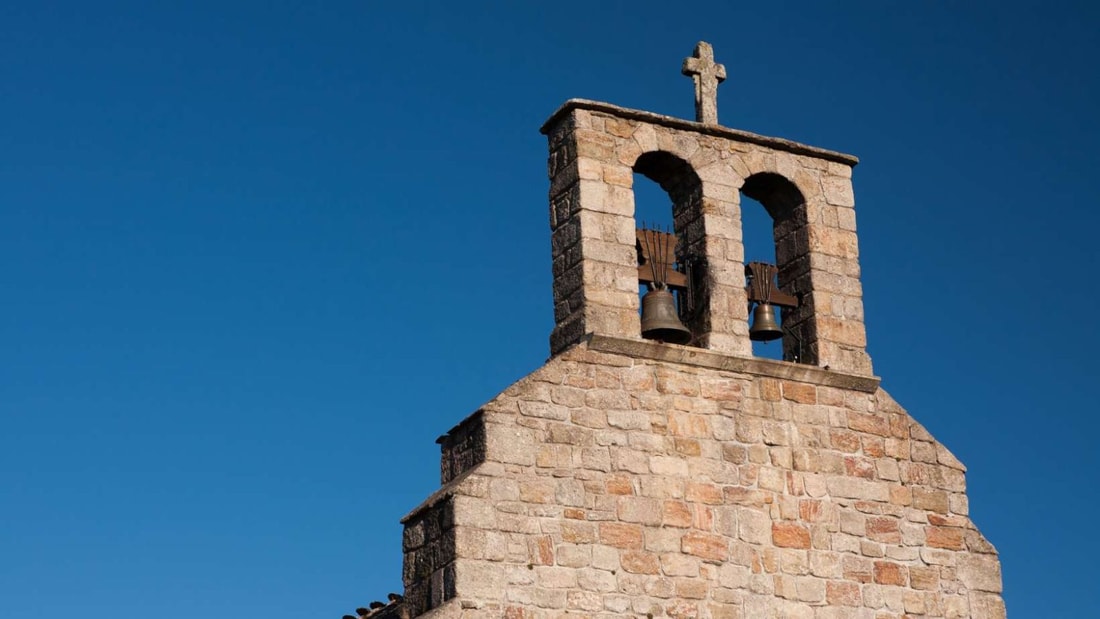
(659, 319)
(764, 327)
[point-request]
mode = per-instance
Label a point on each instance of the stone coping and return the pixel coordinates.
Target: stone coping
(444, 492)
(701, 357)
(706, 129)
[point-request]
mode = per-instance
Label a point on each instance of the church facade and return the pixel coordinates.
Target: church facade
(634, 477)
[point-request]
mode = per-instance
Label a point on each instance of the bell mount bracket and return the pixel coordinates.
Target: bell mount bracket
(761, 286)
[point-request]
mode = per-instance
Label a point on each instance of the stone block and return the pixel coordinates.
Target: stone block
(556, 577)
(677, 383)
(930, 500)
(924, 578)
(832, 241)
(721, 389)
(838, 191)
(640, 562)
(677, 514)
(890, 573)
(586, 533)
(707, 493)
(799, 392)
(869, 423)
(859, 467)
(619, 485)
(480, 580)
(474, 512)
(771, 479)
(980, 572)
(688, 425)
(640, 510)
(554, 456)
(753, 526)
(922, 452)
(950, 538)
(847, 487)
(883, 529)
(874, 446)
(669, 466)
(769, 389)
(986, 606)
(790, 535)
(948, 459)
(705, 546)
(622, 536)
(574, 555)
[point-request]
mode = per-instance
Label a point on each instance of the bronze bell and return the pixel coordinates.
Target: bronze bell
(659, 319)
(764, 327)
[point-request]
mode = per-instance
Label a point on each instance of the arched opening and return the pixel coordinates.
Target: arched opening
(651, 204)
(773, 215)
(759, 243)
(667, 197)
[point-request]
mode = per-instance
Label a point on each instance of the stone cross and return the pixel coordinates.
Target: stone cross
(706, 74)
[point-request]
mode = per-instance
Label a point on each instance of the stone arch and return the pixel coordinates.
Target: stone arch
(786, 204)
(779, 195)
(785, 169)
(678, 178)
(664, 168)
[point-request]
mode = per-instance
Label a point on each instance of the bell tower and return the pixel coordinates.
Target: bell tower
(594, 150)
(653, 467)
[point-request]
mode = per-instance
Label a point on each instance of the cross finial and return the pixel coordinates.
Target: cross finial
(706, 74)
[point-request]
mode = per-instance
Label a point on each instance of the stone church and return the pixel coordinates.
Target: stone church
(653, 467)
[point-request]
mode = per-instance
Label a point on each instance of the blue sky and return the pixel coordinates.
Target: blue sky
(255, 257)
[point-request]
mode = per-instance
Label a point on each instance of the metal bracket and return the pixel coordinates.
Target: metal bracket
(761, 286)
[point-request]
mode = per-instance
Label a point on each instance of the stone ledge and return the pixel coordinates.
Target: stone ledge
(673, 353)
(445, 492)
(687, 125)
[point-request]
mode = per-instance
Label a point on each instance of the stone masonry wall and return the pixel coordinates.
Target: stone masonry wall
(616, 485)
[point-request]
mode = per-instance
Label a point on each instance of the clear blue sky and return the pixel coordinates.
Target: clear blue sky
(255, 257)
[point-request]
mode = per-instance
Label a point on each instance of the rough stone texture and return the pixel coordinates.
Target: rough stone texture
(594, 150)
(675, 490)
(627, 478)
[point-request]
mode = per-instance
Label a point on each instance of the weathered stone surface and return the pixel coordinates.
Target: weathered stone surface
(980, 572)
(789, 535)
(629, 477)
(593, 149)
(620, 535)
(667, 504)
